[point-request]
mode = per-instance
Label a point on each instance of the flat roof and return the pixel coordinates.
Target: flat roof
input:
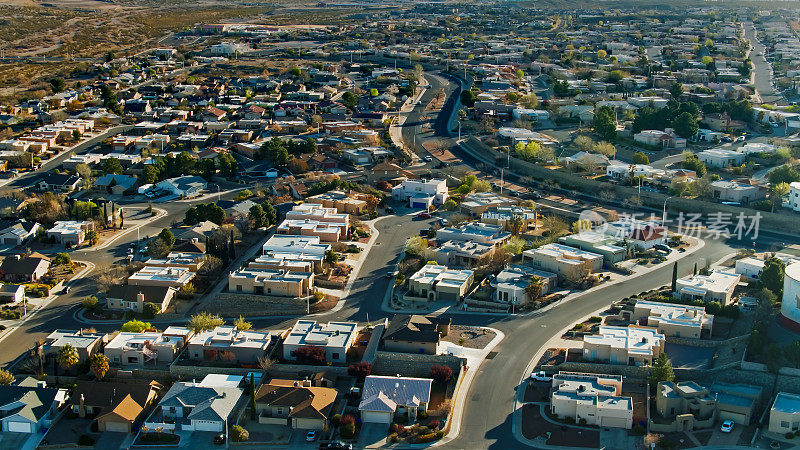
(786, 403)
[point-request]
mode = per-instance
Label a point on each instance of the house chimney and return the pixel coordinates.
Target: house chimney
(140, 300)
(306, 383)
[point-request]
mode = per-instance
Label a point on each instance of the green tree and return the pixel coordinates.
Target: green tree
(135, 326)
(91, 237)
(349, 100)
(257, 216)
(783, 174)
(676, 90)
(772, 276)
(691, 162)
(61, 259)
(685, 125)
(777, 191)
(604, 123)
(773, 357)
(203, 321)
(150, 310)
(57, 84)
(792, 354)
(67, 356)
(6, 378)
(241, 324)
(112, 166)
(661, 370)
(166, 235)
(674, 276)
(640, 158)
(468, 98)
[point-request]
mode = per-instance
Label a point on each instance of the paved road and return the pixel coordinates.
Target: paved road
(762, 70)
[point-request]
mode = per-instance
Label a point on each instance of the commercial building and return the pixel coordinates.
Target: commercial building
(717, 286)
(434, 282)
(595, 399)
(421, 194)
(567, 262)
(674, 320)
(334, 337)
(631, 345)
(276, 283)
(784, 416)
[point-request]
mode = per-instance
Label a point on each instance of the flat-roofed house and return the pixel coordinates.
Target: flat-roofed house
(162, 276)
(631, 345)
(334, 337)
(595, 242)
(567, 262)
(474, 231)
(464, 253)
(784, 416)
(85, 343)
(717, 286)
(434, 282)
(275, 283)
(595, 398)
(673, 319)
(226, 343)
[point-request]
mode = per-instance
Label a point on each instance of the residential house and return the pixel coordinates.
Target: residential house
(661, 139)
(502, 214)
(56, 182)
(85, 343)
(189, 260)
(11, 294)
(384, 398)
(599, 243)
(226, 343)
(114, 184)
(434, 283)
(18, 232)
(175, 277)
(464, 253)
(117, 406)
(477, 203)
(70, 232)
(186, 186)
(510, 285)
(671, 319)
(736, 192)
(296, 404)
(474, 231)
(632, 345)
(643, 235)
(568, 263)
(24, 269)
(717, 286)
(132, 298)
(749, 267)
(719, 157)
(388, 171)
(29, 409)
(335, 337)
(339, 200)
(421, 194)
(794, 196)
(200, 231)
(191, 406)
(275, 283)
(784, 415)
(415, 334)
(596, 399)
(148, 347)
(687, 406)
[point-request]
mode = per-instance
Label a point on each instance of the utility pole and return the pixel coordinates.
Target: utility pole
(502, 183)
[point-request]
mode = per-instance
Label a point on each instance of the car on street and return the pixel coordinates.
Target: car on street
(443, 222)
(727, 426)
(391, 274)
(428, 158)
(540, 376)
(389, 210)
(219, 439)
(311, 436)
(423, 215)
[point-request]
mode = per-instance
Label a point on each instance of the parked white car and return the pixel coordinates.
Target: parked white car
(727, 426)
(540, 376)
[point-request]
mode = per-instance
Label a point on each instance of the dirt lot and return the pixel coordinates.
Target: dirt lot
(470, 337)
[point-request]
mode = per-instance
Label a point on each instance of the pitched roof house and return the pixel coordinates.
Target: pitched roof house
(295, 403)
(115, 405)
(382, 397)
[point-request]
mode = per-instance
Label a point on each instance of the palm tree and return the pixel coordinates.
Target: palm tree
(330, 258)
(98, 363)
(534, 289)
(515, 224)
(67, 357)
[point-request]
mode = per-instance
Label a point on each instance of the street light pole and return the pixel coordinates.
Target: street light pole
(664, 212)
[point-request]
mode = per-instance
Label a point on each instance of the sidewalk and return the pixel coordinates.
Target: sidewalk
(159, 214)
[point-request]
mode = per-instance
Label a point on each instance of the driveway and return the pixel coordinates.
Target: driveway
(719, 438)
(372, 435)
(109, 440)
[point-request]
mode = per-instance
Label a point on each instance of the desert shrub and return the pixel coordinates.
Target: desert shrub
(239, 434)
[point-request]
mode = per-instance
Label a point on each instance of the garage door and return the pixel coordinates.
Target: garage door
(448, 296)
(9, 241)
(19, 427)
(616, 422)
(736, 417)
(376, 417)
(118, 427)
(419, 205)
